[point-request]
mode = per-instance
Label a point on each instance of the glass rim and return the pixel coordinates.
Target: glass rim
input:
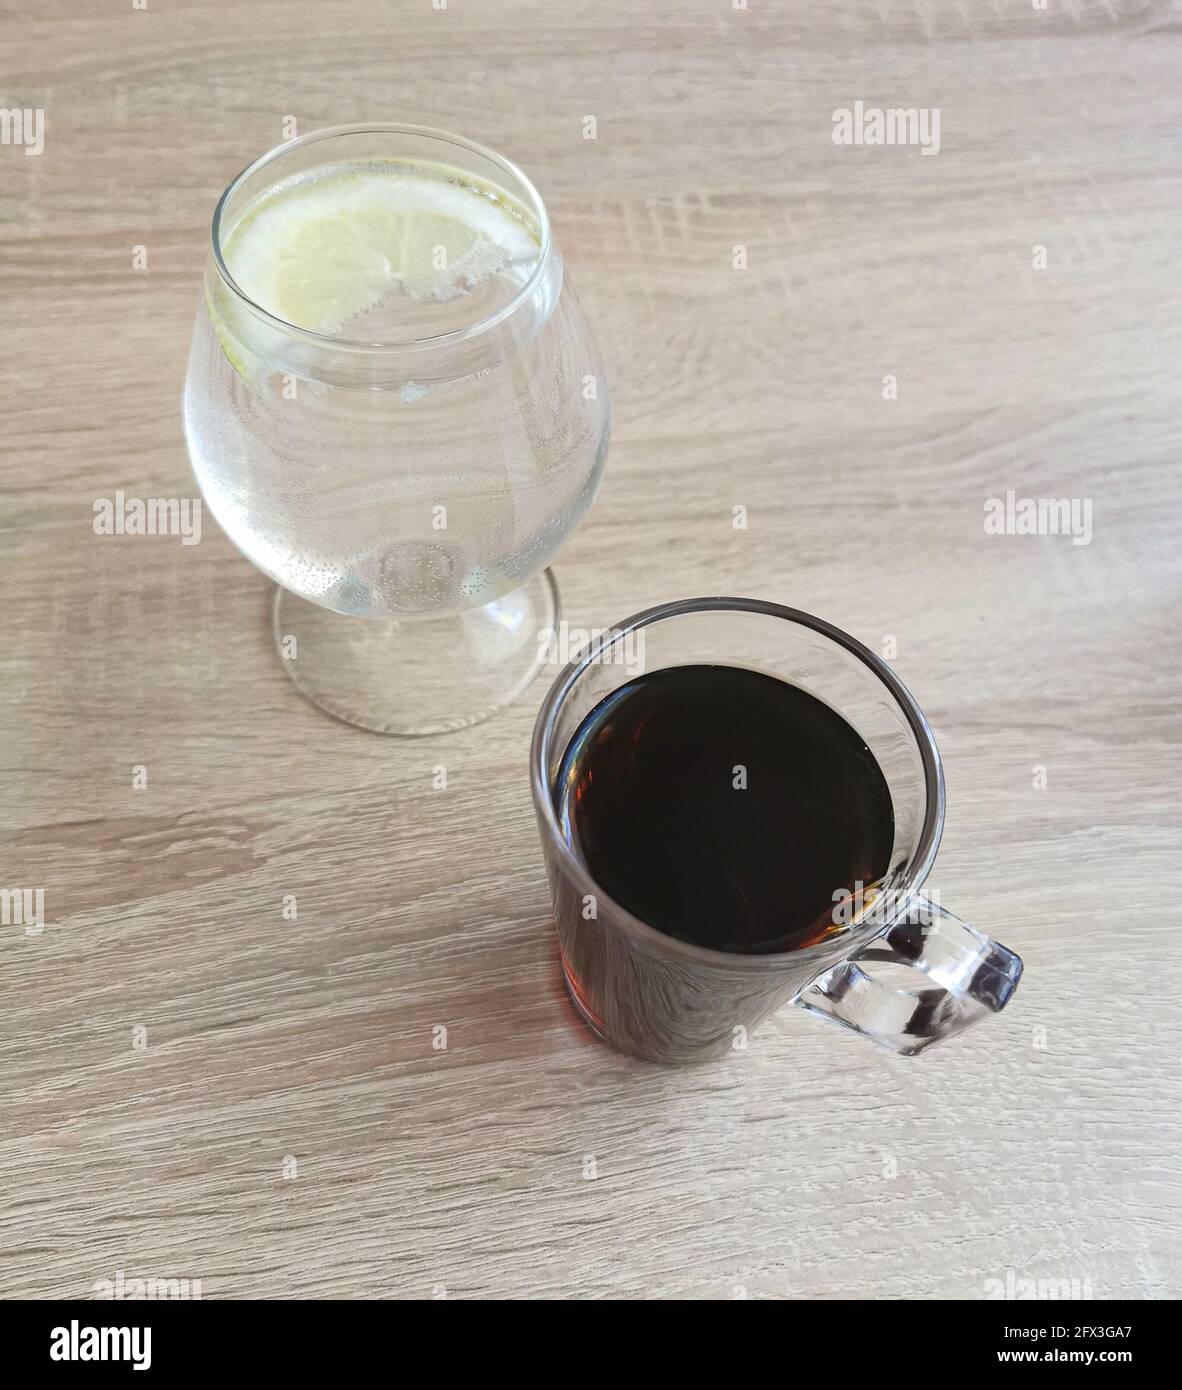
(911, 876)
(437, 340)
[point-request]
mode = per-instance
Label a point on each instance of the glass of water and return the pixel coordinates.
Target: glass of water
(395, 409)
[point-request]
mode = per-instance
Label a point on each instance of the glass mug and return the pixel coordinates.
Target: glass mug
(668, 1000)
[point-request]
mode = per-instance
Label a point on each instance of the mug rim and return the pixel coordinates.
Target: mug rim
(913, 874)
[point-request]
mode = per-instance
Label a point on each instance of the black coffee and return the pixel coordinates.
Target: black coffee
(725, 807)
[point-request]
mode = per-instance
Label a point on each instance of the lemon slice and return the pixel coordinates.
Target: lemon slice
(320, 252)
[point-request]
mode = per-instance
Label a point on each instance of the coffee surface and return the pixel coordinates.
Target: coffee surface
(725, 807)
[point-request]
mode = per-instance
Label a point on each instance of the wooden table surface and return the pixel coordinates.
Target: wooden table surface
(195, 1087)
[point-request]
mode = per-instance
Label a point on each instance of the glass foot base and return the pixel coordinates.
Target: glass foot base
(413, 676)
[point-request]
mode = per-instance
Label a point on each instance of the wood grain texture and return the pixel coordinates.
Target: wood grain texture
(1045, 1142)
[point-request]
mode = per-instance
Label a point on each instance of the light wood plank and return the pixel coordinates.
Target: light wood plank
(463, 1170)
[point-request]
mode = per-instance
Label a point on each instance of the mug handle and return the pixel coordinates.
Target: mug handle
(973, 975)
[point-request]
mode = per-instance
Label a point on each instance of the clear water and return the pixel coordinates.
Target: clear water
(388, 493)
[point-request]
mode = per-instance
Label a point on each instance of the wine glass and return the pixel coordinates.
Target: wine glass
(404, 476)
